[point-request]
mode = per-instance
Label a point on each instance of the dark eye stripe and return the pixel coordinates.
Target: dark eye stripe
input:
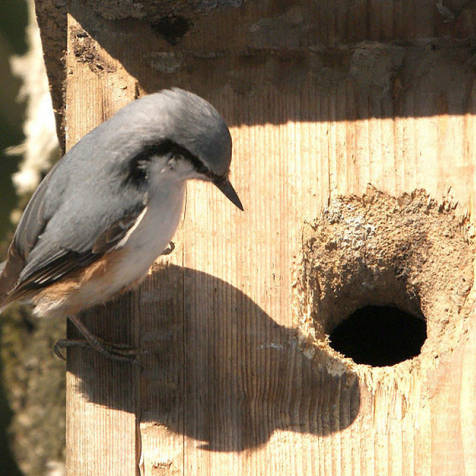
(200, 167)
(138, 164)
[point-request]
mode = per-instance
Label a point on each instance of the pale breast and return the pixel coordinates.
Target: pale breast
(151, 235)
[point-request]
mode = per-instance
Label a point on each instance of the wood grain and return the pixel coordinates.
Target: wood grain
(225, 388)
(100, 424)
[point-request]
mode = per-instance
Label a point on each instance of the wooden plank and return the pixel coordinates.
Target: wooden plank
(225, 388)
(101, 397)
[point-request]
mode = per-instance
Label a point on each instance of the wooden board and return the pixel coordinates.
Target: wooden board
(100, 421)
(225, 387)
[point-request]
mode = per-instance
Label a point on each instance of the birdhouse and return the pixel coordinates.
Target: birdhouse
(329, 328)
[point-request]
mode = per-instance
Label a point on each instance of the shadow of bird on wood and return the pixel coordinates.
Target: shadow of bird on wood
(216, 367)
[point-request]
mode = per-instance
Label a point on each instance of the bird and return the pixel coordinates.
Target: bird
(108, 209)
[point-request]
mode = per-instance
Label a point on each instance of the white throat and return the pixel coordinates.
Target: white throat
(153, 231)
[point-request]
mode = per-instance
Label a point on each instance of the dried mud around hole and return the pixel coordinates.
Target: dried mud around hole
(410, 252)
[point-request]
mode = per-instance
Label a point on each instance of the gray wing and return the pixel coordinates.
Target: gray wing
(66, 226)
(31, 225)
(52, 265)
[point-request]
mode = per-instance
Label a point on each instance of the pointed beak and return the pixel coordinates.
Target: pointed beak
(227, 189)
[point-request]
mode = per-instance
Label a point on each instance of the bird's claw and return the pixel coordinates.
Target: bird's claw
(117, 352)
(169, 249)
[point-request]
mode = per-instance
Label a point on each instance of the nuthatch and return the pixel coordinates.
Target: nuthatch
(110, 206)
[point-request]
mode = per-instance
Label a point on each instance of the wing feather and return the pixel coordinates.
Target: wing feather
(65, 261)
(81, 210)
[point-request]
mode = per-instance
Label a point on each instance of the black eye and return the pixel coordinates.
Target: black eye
(138, 166)
(138, 172)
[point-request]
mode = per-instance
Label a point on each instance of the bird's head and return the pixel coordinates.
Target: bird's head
(176, 135)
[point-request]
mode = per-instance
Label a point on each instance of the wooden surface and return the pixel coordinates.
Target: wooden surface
(225, 388)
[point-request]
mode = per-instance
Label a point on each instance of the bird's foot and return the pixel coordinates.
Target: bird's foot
(117, 352)
(169, 249)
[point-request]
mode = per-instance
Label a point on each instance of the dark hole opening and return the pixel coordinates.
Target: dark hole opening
(379, 336)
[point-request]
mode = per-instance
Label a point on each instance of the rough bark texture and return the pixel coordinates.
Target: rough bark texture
(35, 381)
(322, 98)
(51, 16)
(32, 389)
